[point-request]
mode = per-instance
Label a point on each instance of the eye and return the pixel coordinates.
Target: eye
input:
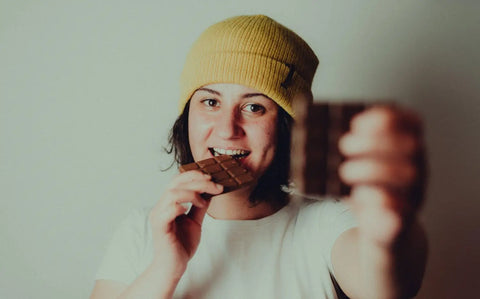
(210, 102)
(254, 108)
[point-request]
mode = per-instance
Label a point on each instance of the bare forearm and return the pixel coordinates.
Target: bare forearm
(394, 272)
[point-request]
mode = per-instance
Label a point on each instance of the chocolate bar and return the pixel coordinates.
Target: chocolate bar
(315, 155)
(224, 170)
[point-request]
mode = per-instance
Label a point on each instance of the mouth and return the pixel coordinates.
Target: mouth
(235, 153)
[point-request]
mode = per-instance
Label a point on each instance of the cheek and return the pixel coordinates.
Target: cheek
(193, 133)
(192, 128)
(265, 136)
(198, 128)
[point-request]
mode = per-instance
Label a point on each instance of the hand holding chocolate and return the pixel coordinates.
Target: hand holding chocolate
(224, 169)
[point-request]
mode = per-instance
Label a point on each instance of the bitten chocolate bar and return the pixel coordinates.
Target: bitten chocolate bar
(315, 155)
(224, 170)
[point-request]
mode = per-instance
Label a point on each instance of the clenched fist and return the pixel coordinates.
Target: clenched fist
(385, 165)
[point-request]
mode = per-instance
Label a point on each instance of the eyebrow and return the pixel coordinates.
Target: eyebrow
(251, 95)
(210, 91)
(247, 95)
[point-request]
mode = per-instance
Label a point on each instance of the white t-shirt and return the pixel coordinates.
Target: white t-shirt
(284, 255)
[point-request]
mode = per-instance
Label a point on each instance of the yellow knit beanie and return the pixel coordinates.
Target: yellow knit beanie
(254, 51)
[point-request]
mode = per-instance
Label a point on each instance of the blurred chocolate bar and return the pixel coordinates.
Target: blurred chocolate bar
(224, 170)
(315, 156)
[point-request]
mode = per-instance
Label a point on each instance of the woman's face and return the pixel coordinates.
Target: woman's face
(235, 120)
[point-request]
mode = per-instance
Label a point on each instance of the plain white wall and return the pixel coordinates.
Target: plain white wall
(88, 91)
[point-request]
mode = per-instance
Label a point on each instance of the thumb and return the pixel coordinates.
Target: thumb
(198, 214)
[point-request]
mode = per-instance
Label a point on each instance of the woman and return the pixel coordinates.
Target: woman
(238, 85)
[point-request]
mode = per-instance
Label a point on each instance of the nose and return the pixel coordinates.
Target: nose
(228, 125)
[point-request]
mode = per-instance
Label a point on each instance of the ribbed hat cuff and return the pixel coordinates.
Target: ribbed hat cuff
(255, 71)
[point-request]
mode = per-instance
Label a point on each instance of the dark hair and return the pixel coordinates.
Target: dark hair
(269, 187)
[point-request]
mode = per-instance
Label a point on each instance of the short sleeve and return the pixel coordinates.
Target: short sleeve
(127, 250)
(325, 221)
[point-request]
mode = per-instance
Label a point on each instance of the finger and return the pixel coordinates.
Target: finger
(203, 186)
(382, 119)
(195, 180)
(161, 218)
(382, 145)
(182, 196)
(176, 202)
(395, 173)
(190, 176)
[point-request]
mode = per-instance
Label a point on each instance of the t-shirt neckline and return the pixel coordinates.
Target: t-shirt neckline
(245, 224)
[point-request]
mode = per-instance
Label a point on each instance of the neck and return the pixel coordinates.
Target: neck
(236, 206)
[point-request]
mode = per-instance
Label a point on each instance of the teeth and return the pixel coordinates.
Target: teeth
(221, 151)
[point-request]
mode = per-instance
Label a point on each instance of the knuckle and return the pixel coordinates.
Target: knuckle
(388, 114)
(196, 174)
(177, 194)
(167, 197)
(180, 208)
(384, 114)
(187, 176)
